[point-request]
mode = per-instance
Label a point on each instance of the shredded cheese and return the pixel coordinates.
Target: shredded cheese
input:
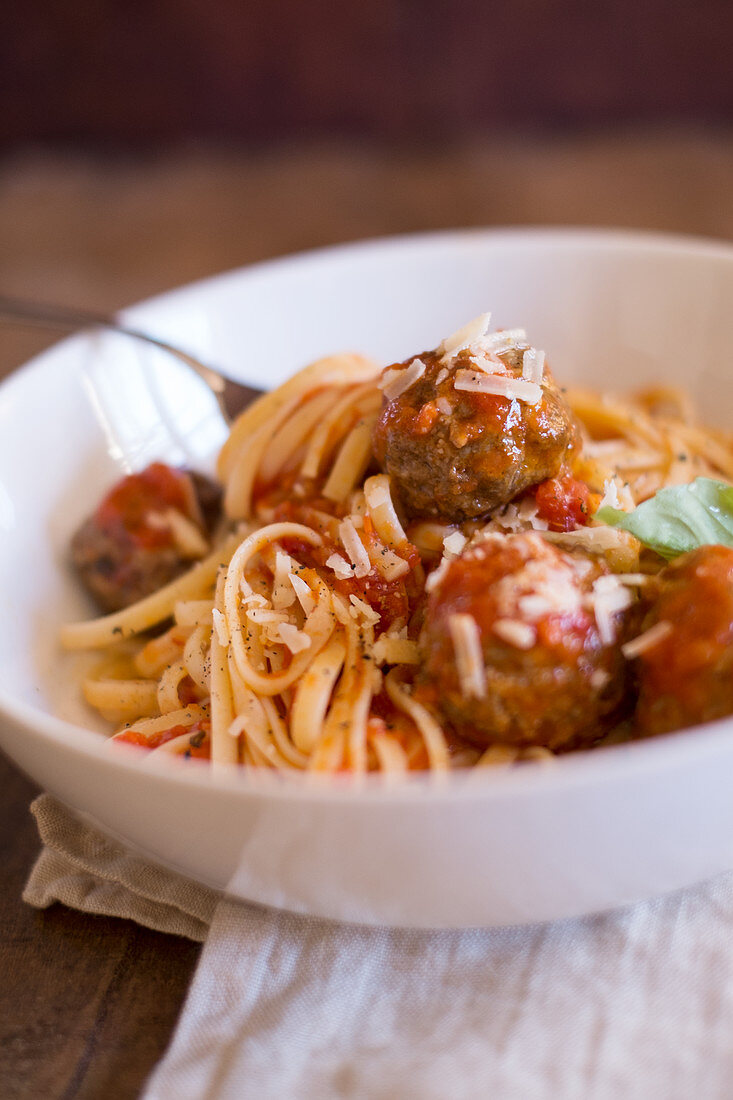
(391, 565)
(392, 650)
(533, 365)
(360, 608)
(354, 548)
(646, 641)
(609, 597)
(511, 388)
(340, 566)
(295, 640)
(376, 491)
(515, 633)
(306, 598)
(466, 639)
(464, 337)
(454, 543)
(503, 340)
(186, 535)
(521, 516)
(394, 382)
(488, 363)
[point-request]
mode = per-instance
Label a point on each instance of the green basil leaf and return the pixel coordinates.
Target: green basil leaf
(680, 518)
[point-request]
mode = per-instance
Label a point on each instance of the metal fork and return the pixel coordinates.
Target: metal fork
(231, 396)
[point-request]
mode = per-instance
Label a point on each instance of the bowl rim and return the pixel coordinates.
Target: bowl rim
(599, 765)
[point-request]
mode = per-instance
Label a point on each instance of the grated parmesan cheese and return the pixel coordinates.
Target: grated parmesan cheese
(254, 599)
(533, 365)
(634, 580)
(543, 591)
(488, 363)
(527, 514)
(340, 566)
(354, 548)
(394, 382)
(541, 587)
(454, 543)
(391, 565)
(520, 635)
(249, 596)
(464, 337)
(509, 520)
(441, 376)
(511, 388)
(646, 641)
(365, 610)
(295, 640)
(466, 639)
(302, 590)
(609, 597)
(184, 532)
(444, 406)
(390, 649)
(376, 491)
(537, 604)
(503, 340)
(610, 498)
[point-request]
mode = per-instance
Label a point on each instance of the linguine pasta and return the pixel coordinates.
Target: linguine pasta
(292, 644)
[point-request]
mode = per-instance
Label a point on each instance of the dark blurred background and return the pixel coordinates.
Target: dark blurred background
(149, 142)
(144, 73)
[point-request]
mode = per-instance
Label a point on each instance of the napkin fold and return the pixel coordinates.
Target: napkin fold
(84, 869)
(637, 1003)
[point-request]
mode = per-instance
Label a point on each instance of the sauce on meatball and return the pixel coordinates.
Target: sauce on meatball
(685, 674)
(546, 669)
(456, 454)
(128, 547)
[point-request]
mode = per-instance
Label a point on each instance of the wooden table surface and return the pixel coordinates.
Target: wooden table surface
(87, 1004)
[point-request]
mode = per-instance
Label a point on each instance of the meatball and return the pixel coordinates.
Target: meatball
(522, 644)
(455, 454)
(685, 668)
(132, 544)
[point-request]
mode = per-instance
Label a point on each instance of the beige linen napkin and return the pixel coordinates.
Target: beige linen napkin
(86, 870)
(635, 1004)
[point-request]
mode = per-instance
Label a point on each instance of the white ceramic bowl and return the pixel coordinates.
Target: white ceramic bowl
(591, 831)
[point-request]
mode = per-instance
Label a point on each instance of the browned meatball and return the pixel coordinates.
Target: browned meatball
(685, 669)
(127, 548)
(455, 454)
(518, 648)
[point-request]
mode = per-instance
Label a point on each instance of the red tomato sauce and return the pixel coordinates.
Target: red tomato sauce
(199, 741)
(564, 502)
(125, 509)
(392, 599)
